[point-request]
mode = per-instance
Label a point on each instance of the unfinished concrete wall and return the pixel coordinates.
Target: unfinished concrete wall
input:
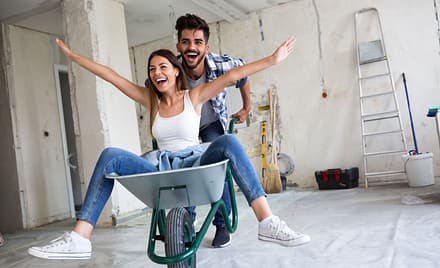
(48, 22)
(10, 197)
(320, 133)
(42, 167)
(103, 115)
(19, 194)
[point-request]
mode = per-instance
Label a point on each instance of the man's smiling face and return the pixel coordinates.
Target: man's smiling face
(193, 47)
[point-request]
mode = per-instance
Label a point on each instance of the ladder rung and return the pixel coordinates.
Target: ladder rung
(374, 76)
(382, 173)
(383, 132)
(383, 58)
(380, 116)
(377, 94)
(385, 153)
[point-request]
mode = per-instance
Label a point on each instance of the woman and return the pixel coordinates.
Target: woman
(174, 122)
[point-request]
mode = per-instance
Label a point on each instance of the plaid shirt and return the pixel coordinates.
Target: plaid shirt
(217, 65)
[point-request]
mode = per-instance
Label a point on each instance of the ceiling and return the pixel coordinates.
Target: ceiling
(149, 20)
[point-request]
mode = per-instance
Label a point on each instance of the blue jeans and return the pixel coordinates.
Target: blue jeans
(208, 134)
(119, 161)
(243, 172)
(112, 160)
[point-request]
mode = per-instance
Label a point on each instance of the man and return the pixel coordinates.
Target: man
(202, 66)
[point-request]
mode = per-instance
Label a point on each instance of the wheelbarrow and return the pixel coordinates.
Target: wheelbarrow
(172, 191)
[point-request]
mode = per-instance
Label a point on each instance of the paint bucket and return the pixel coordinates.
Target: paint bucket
(419, 169)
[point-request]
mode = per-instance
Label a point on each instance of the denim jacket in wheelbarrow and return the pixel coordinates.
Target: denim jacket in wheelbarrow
(167, 160)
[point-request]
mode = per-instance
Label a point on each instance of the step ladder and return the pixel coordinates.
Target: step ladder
(383, 137)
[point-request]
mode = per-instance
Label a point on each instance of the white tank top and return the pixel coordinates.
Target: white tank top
(180, 131)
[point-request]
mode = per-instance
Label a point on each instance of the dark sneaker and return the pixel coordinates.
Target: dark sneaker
(222, 237)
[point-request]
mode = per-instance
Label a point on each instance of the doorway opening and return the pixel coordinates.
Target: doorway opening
(66, 115)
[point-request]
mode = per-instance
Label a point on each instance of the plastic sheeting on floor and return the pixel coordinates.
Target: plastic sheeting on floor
(383, 226)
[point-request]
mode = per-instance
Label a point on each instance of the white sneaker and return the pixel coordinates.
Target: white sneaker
(277, 231)
(68, 246)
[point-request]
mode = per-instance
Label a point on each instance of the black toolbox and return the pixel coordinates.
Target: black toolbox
(337, 178)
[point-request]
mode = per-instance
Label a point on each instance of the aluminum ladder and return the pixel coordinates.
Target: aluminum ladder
(383, 137)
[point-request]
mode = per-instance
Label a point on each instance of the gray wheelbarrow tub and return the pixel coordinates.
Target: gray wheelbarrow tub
(183, 187)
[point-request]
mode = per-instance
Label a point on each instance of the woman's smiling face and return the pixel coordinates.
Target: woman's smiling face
(162, 73)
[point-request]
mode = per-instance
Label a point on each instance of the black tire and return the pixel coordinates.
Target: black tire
(179, 229)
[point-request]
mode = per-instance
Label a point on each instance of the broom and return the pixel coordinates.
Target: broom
(272, 179)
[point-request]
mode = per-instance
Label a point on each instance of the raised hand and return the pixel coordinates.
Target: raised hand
(133, 91)
(284, 50)
(66, 50)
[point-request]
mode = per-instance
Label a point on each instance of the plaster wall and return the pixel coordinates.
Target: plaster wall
(104, 116)
(48, 22)
(320, 133)
(41, 165)
(118, 111)
(10, 197)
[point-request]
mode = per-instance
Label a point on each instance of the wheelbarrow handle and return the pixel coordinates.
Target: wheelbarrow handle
(232, 125)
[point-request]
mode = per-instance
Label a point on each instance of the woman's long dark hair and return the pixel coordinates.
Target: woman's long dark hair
(155, 94)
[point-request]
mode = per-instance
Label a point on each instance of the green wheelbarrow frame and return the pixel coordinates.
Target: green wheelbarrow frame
(158, 222)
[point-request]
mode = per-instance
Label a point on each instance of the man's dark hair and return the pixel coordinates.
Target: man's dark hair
(192, 22)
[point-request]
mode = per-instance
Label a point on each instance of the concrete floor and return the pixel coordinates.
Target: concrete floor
(382, 226)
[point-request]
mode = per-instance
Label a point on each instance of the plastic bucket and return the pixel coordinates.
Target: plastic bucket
(419, 169)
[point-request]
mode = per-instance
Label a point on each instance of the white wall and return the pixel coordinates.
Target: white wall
(42, 171)
(10, 199)
(48, 22)
(118, 112)
(320, 133)
(104, 116)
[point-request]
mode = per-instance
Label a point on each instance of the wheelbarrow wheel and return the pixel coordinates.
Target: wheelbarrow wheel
(179, 234)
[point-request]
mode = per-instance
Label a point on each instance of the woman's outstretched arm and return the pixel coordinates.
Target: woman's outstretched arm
(133, 91)
(204, 92)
